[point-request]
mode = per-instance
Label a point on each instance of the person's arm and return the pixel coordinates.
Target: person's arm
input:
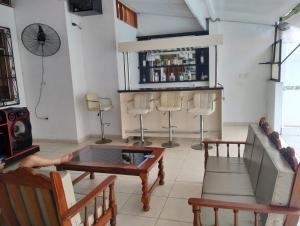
(1, 166)
(35, 161)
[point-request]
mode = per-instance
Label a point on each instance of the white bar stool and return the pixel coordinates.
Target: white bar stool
(170, 102)
(202, 104)
(99, 105)
(142, 104)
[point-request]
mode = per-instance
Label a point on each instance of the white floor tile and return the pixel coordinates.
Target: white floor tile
(134, 206)
(178, 210)
(172, 223)
(129, 220)
(186, 190)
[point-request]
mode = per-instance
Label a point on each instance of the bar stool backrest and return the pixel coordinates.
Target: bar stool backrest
(170, 99)
(205, 101)
(93, 103)
(143, 101)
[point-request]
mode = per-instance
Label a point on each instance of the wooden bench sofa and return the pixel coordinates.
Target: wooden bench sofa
(260, 188)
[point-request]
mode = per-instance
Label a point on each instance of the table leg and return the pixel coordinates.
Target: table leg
(161, 173)
(145, 197)
(92, 176)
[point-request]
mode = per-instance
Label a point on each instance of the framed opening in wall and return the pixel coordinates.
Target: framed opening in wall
(276, 65)
(9, 94)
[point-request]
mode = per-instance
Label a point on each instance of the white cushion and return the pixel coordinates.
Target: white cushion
(226, 165)
(227, 184)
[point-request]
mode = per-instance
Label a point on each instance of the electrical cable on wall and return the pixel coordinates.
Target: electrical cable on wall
(41, 92)
(41, 40)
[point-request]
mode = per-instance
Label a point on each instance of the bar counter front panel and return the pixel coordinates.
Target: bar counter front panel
(188, 124)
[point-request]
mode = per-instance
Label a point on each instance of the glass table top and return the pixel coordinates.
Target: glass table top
(114, 156)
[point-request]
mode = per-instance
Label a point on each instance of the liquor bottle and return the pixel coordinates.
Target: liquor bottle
(189, 75)
(201, 57)
(156, 77)
(163, 75)
(144, 78)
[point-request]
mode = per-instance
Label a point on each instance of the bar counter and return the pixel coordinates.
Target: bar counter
(187, 124)
(171, 89)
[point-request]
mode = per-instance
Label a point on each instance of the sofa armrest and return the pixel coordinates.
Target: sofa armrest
(109, 212)
(217, 143)
(198, 203)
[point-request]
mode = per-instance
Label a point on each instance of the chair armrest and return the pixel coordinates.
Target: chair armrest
(219, 142)
(256, 208)
(222, 142)
(75, 209)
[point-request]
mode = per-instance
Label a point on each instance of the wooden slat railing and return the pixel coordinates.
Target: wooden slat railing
(126, 14)
(197, 204)
(217, 143)
(106, 213)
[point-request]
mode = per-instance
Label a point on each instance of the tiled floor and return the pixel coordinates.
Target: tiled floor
(169, 206)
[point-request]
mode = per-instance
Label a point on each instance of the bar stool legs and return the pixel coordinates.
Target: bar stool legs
(102, 125)
(142, 142)
(170, 143)
(200, 146)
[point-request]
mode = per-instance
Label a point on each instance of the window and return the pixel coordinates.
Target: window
(8, 81)
(127, 15)
(5, 2)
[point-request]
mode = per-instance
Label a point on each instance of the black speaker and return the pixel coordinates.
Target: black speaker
(15, 134)
(85, 7)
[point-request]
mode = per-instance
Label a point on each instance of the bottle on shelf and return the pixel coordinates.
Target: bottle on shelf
(201, 57)
(163, 77)
(172, 77)
(181, 77)
(156, 77)
(151, 75)
(189, 75)
(144, 78)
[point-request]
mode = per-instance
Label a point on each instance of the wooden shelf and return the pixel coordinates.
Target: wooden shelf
(166, 66)
(173, 81)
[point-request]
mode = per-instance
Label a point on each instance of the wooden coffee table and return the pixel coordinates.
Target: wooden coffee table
(124, 160)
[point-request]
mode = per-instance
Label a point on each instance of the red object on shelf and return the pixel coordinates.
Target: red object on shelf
(15, 134)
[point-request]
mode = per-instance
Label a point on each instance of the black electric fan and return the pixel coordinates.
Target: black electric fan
(41, 40)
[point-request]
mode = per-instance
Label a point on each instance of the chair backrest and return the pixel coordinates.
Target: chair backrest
(143, 101)
(28, 198)
(170, 99)
(205, 101)
(93, 103)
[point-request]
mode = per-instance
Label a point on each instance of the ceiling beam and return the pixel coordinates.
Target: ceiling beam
(200, 11)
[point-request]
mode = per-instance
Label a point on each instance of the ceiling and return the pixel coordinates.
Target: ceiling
(255, 11)
(160, 7)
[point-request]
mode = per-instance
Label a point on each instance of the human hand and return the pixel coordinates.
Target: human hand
(2, 165)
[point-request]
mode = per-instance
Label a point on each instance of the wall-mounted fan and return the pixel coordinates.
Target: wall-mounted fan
(41, 40)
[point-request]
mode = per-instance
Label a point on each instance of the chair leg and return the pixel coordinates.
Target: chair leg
(102, 125)
(201, 145)
(170, 143)
(142, 142)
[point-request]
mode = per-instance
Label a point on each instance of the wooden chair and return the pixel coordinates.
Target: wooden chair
(28, 198)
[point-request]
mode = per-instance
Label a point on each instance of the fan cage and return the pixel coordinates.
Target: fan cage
(44, 49)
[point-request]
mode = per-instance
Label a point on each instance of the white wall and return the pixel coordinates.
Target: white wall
(7, 19)
(100, 60)
(78, 74)
(245, 81)
(126, 33)
(149, 24)
(57, 101)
